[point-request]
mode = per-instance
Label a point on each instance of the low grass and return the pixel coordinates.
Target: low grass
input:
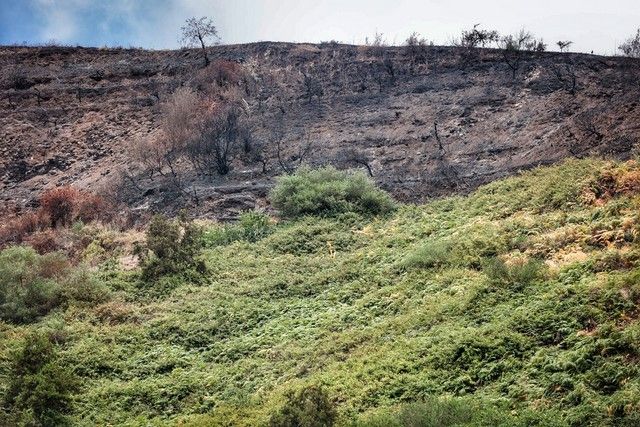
(515, 305)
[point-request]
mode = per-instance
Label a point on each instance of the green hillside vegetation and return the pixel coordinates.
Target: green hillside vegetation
(515, 305)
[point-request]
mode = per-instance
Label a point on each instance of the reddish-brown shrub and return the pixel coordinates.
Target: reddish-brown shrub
(629, 182)
(59, 204)
(91, 207)
(227, 72)
(63, 205)
(15, 229)
(44, 241)
(611, 183)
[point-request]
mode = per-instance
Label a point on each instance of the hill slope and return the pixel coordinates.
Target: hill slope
(515, 305)
(69, 116)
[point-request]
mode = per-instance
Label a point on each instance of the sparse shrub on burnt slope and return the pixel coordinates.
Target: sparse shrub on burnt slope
(63, 205)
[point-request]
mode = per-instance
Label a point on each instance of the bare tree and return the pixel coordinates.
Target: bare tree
(477, 37)
(416, 49)
(437, 135)
(224, 131)
(515, 45)
(564, 44)
(631, 47)
(350, 157)
(199, 31)
(377, 45)
(312, 86)
(160, 153)
(587, 122)
(471, 40)
(291, 163)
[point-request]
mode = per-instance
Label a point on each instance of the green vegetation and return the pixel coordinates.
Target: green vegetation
(328, 192)
(514, 306)
(31, 284)
(40, 389)
(251, 227)
(171, 248)
(28, 288)
(308, 407)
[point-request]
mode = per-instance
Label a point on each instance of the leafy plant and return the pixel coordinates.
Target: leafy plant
(171, 247)
(328, 192)
(516, 275)
(309, 407)
(430, 255)
(40, 388)
(251, 227)
(28, 285)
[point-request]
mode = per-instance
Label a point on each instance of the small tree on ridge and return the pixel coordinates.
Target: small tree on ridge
(198, 31)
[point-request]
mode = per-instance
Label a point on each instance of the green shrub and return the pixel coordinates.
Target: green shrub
(255, 225)
(514, 276)
(39, 392)
(83, 288)
(31, 284)
(436, 413)
(430, 255)
(28, 283)
(312, 236)
(328, 192)
(449, 411)
(309, 407)
(171, 247)
(251, 227)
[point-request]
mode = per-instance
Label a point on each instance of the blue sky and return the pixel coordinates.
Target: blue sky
(592, 24)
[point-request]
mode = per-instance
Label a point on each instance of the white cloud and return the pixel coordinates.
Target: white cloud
(59, 23)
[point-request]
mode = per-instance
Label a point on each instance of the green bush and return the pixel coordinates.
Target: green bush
(28, 283)
(450, 411)
(83, 288)
(39, 392)
(171, 247)
(251, 227)
(312, 236)
(31, 284)
(255, 225)
(515, 276)
(328, 192)
(309, 407)
(430, 255)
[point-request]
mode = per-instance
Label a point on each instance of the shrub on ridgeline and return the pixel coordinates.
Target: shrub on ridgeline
(309, 407)
(329, 192)
(631, 46)
(39, 388)
(171, 247)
